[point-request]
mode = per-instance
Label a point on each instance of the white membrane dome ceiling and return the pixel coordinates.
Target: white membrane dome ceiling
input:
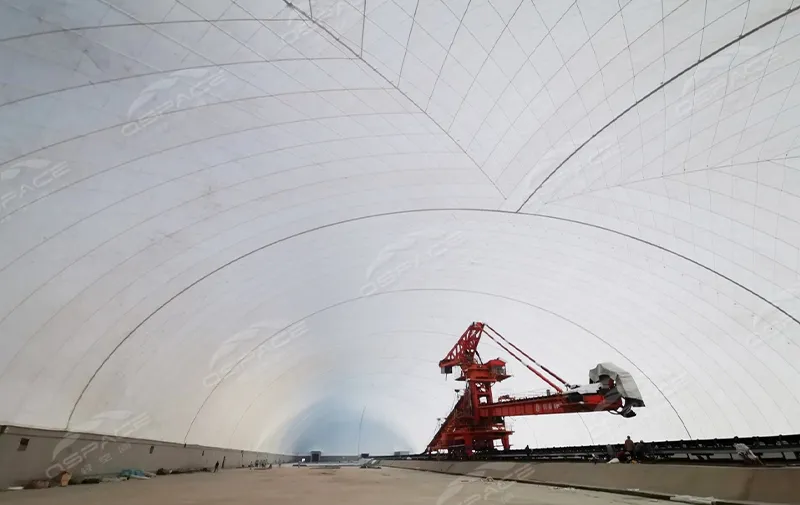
(259, 225)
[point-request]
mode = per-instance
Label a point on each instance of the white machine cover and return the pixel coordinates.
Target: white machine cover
(624, 381)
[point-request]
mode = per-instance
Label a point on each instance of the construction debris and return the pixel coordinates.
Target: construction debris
(65, 478)
(38, 484)
(693, 499)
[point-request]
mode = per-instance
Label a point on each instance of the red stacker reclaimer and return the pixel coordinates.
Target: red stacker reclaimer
(478, 419)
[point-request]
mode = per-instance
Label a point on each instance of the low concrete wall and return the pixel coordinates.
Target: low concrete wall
(50, 452)
(768, 485)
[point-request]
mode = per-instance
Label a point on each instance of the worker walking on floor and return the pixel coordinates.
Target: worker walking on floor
(216, 467)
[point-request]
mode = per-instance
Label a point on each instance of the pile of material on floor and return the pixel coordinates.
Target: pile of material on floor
(38, 484)
(175, 471)
(61, 480)
(65, 478)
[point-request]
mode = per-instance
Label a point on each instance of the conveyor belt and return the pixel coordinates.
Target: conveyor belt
(776, 450)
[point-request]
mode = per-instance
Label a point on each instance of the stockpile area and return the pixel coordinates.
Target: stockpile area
(690, 484)
(317, 486)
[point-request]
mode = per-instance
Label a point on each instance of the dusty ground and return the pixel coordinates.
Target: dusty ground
(306, 486)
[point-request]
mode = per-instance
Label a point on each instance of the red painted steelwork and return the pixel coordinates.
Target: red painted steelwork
(477, 420)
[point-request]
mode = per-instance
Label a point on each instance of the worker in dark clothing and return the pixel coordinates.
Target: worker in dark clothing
(216, 466)
(628, 448)
(528, 451)
(629, 445)
(638, 451)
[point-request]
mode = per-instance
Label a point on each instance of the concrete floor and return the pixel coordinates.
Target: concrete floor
(306, 486)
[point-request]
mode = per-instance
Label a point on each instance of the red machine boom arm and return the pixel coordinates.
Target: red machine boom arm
(465, 350)
(477, 420)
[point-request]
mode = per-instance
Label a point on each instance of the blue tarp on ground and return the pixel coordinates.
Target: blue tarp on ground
(131, 472)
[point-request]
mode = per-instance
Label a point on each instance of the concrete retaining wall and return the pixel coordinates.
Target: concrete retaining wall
(769, 485)
(50, 452)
